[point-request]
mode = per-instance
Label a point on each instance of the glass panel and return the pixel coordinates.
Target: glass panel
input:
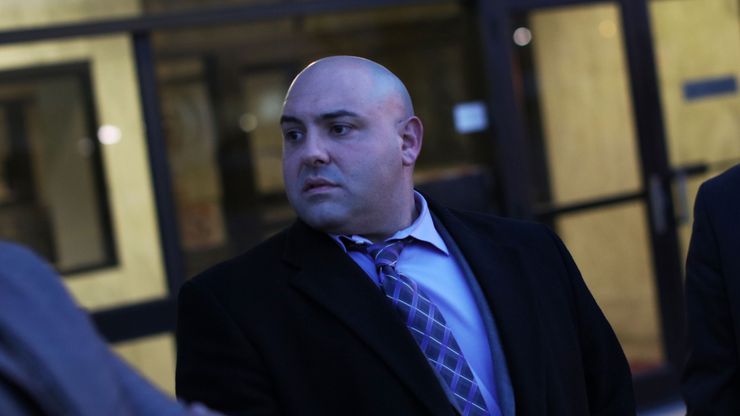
(611, 248)
(153, 357)
(228, 130)
(62, 118)
(189, 126)
(697, 46)
(263, 94)
(51, 194)
(576, 92)
(584, 102)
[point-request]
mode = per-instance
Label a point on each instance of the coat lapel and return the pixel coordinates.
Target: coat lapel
(344, 289)
(509, 290)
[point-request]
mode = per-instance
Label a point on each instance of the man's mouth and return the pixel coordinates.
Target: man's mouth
(316, 184)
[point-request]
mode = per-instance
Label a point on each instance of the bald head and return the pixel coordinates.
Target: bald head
(360, 75)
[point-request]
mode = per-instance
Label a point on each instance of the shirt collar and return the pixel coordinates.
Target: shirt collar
(422, 229)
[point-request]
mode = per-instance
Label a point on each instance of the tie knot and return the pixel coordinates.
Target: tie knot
(385, 253)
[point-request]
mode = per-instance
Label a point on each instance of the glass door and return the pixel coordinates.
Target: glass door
(588, 183)
(592, 147)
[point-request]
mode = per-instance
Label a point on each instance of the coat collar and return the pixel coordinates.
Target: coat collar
(348, 294)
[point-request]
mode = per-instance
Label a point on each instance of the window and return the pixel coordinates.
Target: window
(52, 189)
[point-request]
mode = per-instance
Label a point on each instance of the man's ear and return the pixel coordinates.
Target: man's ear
(412, 134)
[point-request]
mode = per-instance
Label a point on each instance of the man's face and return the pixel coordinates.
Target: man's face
(342, 153)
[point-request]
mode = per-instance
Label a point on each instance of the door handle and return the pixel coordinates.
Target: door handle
(657, 204)
(680, 175)
(682, 198)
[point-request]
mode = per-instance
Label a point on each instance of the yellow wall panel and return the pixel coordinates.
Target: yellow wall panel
(153, 357)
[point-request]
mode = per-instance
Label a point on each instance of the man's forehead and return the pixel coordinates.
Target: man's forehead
(327, 81)
(318, 102)
(336, 73)
(329, 96)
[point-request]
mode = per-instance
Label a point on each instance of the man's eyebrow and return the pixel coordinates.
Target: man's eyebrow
(290, 119)
(322, 117)
(337, 114)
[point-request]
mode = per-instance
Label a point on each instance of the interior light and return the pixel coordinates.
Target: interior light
(109, 134)
(522, 36)
(248, 122)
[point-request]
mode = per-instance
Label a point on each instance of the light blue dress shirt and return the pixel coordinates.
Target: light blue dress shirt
(428, 262)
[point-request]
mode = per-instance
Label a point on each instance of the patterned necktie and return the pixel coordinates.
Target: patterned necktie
(428, 328)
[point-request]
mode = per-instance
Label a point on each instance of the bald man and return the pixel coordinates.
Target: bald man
(376, 301)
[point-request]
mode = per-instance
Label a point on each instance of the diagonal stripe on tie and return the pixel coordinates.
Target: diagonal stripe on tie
(427, 327)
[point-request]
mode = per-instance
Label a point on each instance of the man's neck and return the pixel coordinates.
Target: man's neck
(382, 236)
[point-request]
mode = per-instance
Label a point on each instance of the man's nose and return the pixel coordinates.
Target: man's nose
(315, 151)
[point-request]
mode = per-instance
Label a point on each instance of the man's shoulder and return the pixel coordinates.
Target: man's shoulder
(264, 258)
(495, 220)
(494, 226)
(727, 181)
(722, 191)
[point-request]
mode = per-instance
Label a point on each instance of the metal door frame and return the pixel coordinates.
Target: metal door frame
(515, 173)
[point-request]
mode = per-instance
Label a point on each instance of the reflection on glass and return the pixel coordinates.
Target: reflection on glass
(189, 128)
(612, 250)
(51, 186)
(263, 93)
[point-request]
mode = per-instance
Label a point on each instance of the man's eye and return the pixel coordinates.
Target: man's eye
(292, 135)
(340, 129)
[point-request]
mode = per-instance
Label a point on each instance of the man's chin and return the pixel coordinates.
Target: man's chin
(328, 222)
